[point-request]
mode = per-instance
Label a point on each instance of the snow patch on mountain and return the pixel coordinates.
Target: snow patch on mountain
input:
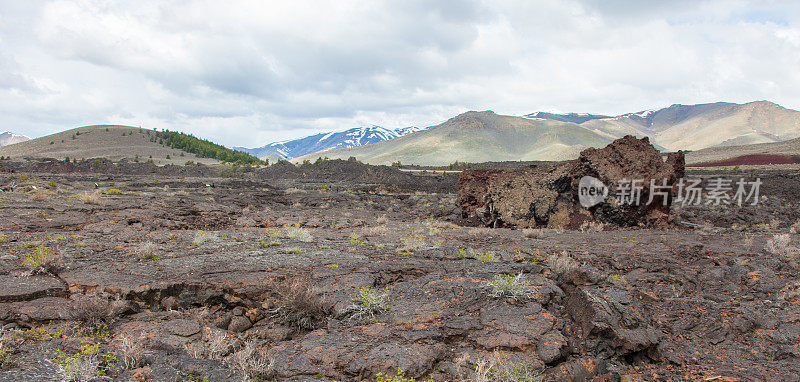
(9, 138)
(318, 143)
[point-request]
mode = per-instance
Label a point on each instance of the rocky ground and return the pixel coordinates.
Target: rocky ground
(310, 276)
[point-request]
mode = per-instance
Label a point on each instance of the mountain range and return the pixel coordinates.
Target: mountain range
(8, 138)
(712, 131)
(323, 142)
(486, 136)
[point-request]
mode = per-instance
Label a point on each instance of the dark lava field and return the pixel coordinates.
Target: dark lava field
(346, 272)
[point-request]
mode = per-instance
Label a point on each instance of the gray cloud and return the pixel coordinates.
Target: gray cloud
(245, 72)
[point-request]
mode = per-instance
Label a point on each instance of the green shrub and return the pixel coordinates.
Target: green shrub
(510, 286)
(368, 302)
(42, 259)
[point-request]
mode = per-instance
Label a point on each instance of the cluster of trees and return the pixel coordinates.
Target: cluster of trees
(204, 148)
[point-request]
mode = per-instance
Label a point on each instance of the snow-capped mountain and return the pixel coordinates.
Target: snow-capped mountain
(570, 117)
(8, 138)
(321, 142)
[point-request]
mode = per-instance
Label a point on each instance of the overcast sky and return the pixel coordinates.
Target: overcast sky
(251, 72)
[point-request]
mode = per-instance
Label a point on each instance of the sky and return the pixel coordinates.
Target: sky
(246, 73)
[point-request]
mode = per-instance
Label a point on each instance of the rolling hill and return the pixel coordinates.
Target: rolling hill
(103, 141)
(479, 137)
(695, 127)
(321, 142)
(485, 136)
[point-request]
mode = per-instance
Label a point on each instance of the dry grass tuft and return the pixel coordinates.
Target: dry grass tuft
(501, 367)
(533, 233)
(214, 345)
(780, 245)
(795, 228)
(298, 233)
(590, 226)
(91, 198)
(481, 231)
(92, 310)
(379, 230)
(39, 195)
(562, 263)
(147, 250)
(130, 351)
(748, 240)
(382, 220)
(294, 191)
(252, 363)
(301, 306)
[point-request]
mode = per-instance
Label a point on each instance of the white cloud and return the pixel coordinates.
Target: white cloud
(248, 72)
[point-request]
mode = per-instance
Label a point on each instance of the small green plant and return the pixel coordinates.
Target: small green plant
(41, 259)
(35, 334)
(355, 238)
(412, 242)
(399, 377)
(487, 256)
(368, 302)
(616, 279)
(515, 287)
(6, 352)
(83, 366)
(202, 237)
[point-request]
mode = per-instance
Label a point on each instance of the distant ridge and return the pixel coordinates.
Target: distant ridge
(323, 142)
(480, 136)
(694, 127)
(486, 136)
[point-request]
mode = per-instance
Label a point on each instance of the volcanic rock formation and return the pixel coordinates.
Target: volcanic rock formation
(548, 194)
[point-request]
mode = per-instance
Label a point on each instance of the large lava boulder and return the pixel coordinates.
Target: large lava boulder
(548, 194)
